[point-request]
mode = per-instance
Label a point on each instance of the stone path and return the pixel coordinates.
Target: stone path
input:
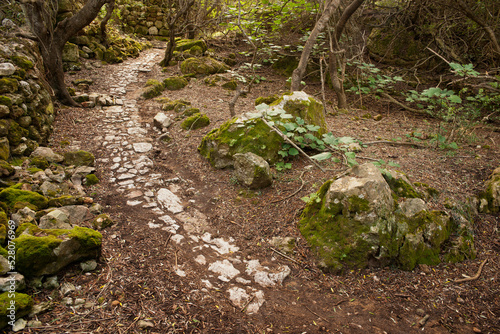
(126, 145)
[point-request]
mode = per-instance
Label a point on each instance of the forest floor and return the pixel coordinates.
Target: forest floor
(157, 279)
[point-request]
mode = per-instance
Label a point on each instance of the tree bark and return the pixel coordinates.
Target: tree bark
(171, 27)
(109, 11)
(298, 73)
(337, 56)
(52, 37)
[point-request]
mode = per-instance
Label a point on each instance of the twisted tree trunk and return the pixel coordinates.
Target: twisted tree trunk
(52, 37)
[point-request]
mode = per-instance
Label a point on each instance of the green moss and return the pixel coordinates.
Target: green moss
(22, 62)
(79, 158)
(39, 162)
(175, 83)
(155, 89)
(203, 65)
(189, 112)
(230, 85)
(195, 121)
(11, 196)
(310, 111)
(16, 133)
(152, 82)
(176, 105)
(35, 247)
(8, 85)
(6, 169)
(22, 306)
(231, 138)
(91, 179)
(196, 50)
(267, 99)
(399, 186)
(34, 170)
(188, 44)
(212, 80)
(64, 200)
(357, 204)
(102, 221)
(431, 192)
(5, 100)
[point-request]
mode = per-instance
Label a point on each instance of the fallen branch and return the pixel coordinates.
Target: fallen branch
(476, 276)
(393, 100)
(394, 143)
(285, 256)
(316, 314)
(248, 303)
(295, 193)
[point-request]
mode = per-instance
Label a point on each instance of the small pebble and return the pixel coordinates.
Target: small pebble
(476, 330)
(420, 312)
(460, 300)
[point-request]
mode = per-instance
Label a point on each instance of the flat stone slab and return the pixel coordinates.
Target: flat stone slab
(169, 200)
(142, 147)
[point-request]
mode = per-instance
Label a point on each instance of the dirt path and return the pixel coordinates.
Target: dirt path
(170, 267)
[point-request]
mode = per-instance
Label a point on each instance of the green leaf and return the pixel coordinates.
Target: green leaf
(322, 156)
(453, 146)
(312, 128)
(310, 136)
(455, 99)
(293, 151)
(393, 164)
(289, 126)
(346, 140)
(336, 160)
(299, 121)
(286, 116)
(300, 130)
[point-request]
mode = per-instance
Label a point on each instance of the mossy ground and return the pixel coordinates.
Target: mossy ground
(10, 196)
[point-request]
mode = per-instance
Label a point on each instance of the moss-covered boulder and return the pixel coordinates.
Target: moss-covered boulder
(11, 196)
(490, 197)
(6, 169)
(70, 53)
(91, 179)
(196, 121)
(175, 105)
(102, 221)
(203, 66)
(240, 136)
(300, 104)
(252, 171)
(230, 85)
(189, 44)
(175, 83)
(154, 88)
(4, 148)
(45, 252)
(356, 222)
(14, 305)
(79, 158)
(8, 85)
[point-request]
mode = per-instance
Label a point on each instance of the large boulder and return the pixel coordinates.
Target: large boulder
(490, 197)
(356, 222)
(252, 170)
(48, 154)
(203, 66)
(250, 133)
(79, 158)
(187, 44)
(12, 195)
(46, 251)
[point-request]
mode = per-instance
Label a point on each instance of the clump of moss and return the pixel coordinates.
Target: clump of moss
(176, 105)
(102, 221)
(10, 196)
(152, 82)
(230, 85)
(91, 179)
(6, 169)
(266, 99)
(22, 62)
(8, 85)
(22, 306)
(79, 158)
(175, 83)
(203, 66)
(187, 44)
(399, 186)
(39, 162)
(155, 88)
(195, 121)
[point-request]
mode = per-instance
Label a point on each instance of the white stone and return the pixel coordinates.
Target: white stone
(142, 147)
(169, 200)
(200, 259)
(177, 238)
(219, 244)
(125, 176)
(133, 203)
(264, 276)
(6, 69)
(225, 269)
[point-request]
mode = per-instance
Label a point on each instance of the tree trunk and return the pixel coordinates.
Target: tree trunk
(109, 11)
(298, 73)
(41, 17)
(337, 56)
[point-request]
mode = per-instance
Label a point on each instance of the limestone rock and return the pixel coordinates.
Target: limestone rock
(355, 222)
(45, 252)
(102, 221)
(252, 170)
(203, 66)
(56, 219)
(490, 198)
(79, 158)
(89, 265)
(16, 280)
(7, 69)
(162, 121)
(70, 53)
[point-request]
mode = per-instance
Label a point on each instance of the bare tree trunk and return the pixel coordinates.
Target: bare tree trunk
(337, 56)
(171, 27)
(109, 11)
(298, 73)
(52, 38)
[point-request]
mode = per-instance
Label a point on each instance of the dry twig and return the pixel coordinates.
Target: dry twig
(316, 314)
(296, 192)
(285, 256)
(476, 276)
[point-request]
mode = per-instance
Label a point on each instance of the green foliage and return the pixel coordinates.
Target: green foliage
(371, 81)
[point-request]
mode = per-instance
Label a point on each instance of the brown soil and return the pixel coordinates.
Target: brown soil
(135, 279)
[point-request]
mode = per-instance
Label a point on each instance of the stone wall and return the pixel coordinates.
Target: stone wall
(26, 110)
(143, 20)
